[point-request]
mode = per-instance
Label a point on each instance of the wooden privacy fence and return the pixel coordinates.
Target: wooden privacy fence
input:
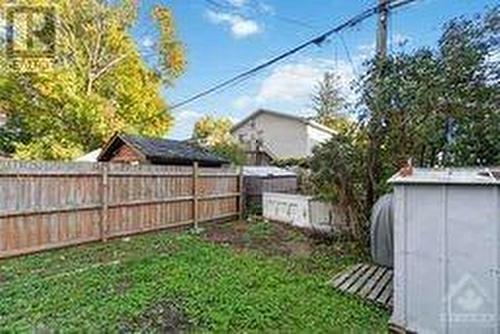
(45, 205)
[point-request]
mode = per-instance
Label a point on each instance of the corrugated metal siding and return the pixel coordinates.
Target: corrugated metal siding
(447, 239)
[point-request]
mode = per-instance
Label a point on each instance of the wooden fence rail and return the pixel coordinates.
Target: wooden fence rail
(46, 205)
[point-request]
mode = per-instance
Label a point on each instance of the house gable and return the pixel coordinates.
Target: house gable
(280, 135)
(304, 120)
(126, 154)
(119, 151)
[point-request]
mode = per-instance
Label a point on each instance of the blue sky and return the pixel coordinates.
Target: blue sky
(223, 42)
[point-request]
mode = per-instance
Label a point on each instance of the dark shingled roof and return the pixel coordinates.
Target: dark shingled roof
(165, 151)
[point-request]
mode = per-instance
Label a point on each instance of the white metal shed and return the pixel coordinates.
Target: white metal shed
(447, 251)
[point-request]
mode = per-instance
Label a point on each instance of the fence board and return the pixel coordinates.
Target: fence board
(44, 205)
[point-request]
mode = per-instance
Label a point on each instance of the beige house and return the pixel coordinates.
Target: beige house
(270, 135)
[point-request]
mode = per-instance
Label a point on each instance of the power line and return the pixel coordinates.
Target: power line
(348, 55)
(314, 41)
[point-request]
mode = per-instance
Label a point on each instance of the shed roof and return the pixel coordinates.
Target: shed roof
(304, 120)
(162, 151)
(449, 176)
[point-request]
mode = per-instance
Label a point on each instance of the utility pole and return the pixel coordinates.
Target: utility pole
(383, 19)
(373, 157)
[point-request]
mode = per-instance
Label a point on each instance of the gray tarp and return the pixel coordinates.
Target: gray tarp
(382, 235)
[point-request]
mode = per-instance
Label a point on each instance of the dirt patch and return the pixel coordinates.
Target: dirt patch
(267, 237)
(306, 252)
(164, 317)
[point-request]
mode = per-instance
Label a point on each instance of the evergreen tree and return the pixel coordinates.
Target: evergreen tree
(328, 104)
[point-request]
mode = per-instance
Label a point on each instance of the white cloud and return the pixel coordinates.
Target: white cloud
(187, 115)
(184, 122)
(240, 27)
(289, 82)
(238, 3)
(297, 81)
(242, 102)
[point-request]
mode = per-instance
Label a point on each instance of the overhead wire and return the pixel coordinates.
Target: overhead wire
(318, 41)
(348, 54)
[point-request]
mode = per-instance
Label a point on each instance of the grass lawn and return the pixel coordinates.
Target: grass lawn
(234, 276)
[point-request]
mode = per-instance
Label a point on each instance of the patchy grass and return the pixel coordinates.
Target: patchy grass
(237, 276)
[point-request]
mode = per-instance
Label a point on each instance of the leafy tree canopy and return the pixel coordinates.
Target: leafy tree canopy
(215, 133)
(100, 84)
(329, 104)
(437, 106)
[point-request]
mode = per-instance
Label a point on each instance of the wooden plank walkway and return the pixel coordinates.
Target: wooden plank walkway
(368, 281)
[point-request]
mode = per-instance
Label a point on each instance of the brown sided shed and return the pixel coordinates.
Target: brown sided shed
(124, 148)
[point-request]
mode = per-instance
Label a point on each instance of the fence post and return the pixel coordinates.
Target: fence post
(104, 202)
(195, 195)
(241, 198)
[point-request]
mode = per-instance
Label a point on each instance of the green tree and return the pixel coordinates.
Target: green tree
(471, 108)
(215, 134)
(435, 106)
(327, 101)
(338, 176)
(328, 104)
(438, 107)
(100, 84)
